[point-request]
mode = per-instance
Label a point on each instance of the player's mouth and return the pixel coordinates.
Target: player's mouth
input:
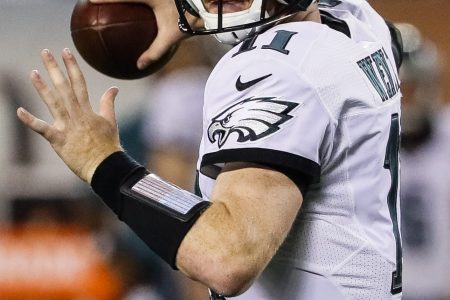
(229, 6)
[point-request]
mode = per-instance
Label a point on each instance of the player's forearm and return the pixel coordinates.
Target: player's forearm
(219, 252)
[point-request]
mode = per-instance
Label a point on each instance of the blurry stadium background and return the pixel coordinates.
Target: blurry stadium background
(57, 241)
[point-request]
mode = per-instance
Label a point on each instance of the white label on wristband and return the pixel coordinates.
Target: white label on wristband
(165, 193)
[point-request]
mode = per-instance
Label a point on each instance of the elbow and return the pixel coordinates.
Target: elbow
(231, 279)
(226, 273)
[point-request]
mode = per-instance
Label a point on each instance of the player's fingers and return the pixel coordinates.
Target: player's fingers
(60, 82)
(107, 105)
(37, 125)
(76, 78)
(55, 105)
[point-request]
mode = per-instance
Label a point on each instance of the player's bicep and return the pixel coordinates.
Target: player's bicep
(262, 199)
(262, 204)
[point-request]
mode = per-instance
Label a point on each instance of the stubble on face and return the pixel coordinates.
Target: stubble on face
(229, 6)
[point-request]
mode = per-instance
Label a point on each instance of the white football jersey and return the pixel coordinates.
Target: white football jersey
(321, 100)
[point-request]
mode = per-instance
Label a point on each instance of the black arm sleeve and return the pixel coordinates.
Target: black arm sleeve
(397, 44)
(110, 175)
(160, 227)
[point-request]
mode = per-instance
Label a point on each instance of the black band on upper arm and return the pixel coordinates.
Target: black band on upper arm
(303, 172)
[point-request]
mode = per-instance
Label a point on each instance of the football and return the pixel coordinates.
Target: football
(110, 37)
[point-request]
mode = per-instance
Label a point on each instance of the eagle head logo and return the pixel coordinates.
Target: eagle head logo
(251, 119)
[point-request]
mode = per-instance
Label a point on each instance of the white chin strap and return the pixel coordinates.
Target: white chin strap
(249, 15)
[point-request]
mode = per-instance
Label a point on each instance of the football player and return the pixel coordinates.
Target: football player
(298, 166)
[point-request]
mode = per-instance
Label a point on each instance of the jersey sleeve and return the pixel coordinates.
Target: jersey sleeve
(267, 114)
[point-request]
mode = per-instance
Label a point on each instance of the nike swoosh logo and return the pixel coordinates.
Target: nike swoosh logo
(240, 86)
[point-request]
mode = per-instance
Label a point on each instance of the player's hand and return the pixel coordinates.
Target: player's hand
(81, 137)
(169, 33)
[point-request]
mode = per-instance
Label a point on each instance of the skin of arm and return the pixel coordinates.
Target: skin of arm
(253, 207)
(232, 242)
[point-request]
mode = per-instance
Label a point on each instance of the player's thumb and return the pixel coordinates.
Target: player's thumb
(107, 105)
(164, 42)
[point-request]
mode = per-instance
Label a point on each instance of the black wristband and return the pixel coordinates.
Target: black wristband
(109, 176)
(160, 213)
